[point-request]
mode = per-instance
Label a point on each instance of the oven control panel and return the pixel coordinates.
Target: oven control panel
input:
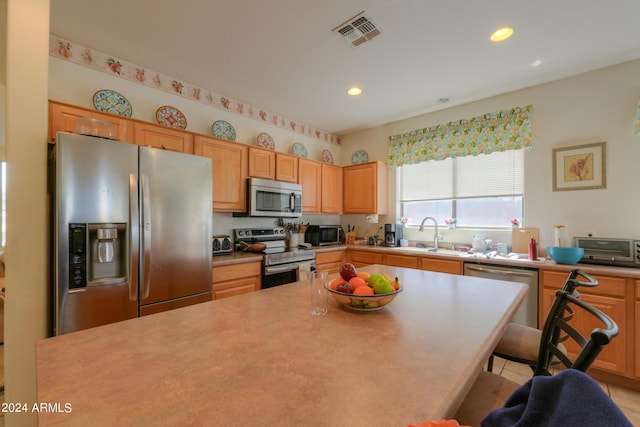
(260, 234)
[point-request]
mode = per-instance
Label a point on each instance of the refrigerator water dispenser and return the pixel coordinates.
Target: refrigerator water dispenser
(107, 253)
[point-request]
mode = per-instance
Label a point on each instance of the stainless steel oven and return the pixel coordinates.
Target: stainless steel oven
(280, 265)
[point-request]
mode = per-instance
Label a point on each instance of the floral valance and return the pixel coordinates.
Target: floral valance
(498, 131)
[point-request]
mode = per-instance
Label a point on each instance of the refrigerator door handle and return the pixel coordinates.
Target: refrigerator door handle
(134, 235)
(146, 237)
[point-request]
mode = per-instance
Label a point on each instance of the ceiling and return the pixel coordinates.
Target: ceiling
(282, 55)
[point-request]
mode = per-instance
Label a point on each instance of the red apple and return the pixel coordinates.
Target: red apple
(348, 271)
(345, 288)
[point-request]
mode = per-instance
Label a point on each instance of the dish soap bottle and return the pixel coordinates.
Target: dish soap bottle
(533, 249)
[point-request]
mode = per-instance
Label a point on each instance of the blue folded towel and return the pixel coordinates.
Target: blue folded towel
(569, 398)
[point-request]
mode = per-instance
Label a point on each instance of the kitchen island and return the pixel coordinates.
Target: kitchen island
(262, 359)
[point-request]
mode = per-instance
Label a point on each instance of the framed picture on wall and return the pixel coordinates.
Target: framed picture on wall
(581, 167)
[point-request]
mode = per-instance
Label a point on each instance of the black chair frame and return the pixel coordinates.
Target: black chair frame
(556, 324)
(570, 286)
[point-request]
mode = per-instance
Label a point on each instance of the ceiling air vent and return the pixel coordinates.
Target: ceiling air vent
(357, 30)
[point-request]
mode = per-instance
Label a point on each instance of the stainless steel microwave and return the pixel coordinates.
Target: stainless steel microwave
(275, 199)
(322, 235)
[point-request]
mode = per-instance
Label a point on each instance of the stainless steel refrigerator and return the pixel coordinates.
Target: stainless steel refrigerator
(131, 231)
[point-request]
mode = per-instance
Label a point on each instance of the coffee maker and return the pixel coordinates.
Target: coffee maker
(392, 234)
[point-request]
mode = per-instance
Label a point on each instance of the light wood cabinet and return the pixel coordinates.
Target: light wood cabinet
(162, 137)
(365, 188)
(229, 172)
(286, 168)
(636, 339)
(262, 163)
(62, 118)
(609, 297)
(331, 189)
(236, 279)
(310, 177)
(362, 258)
(441, 265)
(401, 260)
(330, 261)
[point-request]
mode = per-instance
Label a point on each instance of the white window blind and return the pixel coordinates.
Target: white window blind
(486, 175)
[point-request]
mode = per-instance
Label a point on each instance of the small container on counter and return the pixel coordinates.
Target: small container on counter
(533, 249)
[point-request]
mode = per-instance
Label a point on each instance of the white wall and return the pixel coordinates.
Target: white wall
(591, 107)
(26, 253)
(74, 84)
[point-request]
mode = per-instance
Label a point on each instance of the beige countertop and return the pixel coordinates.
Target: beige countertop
(262, 359)
(546, 264)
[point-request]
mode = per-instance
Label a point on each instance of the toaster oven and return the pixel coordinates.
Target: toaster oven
(609, 251)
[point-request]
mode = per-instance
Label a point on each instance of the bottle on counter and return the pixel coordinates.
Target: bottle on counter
(533, 249)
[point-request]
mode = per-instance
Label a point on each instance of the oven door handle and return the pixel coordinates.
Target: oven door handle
(283, 269)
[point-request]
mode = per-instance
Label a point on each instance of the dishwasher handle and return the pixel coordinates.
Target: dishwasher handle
(510, 272)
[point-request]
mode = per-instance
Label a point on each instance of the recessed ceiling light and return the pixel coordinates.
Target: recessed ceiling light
(354, 91)
(501, 34)
(536, 63)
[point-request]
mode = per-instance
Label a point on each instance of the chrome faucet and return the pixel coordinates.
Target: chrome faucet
(435, 236)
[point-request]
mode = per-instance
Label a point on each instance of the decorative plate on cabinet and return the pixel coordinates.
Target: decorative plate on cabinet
(359, 157)
(327, 157)
(264, 140)
(171, 117)
(110, 101)
(223, 130)
(297, 149)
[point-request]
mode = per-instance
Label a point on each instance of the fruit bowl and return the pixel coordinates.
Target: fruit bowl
(364, 302)
(565, 254)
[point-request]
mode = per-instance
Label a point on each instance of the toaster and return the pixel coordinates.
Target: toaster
(221, 245)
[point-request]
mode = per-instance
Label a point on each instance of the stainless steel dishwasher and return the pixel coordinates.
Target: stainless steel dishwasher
(528, 312)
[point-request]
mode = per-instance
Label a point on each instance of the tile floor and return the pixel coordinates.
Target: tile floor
(627, 400)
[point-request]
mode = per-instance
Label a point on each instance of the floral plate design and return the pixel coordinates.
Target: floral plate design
(327, 157)
(297, 149)
(264, 140)
(359, 157)
(223, 130)
(171, 117)
(110, 101)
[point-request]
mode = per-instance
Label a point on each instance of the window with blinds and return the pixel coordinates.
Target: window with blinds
(478, 191)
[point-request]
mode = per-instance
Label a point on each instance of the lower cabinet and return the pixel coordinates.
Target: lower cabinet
(330, 261)
(401, 261)
(236, 279)
(362, 258)
(637, 334)
(441, 265)
(609, 297)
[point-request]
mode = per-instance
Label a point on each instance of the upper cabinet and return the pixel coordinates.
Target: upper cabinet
(365, 188)
(63, 116)
(162, 137)
(310, 177)
(331, 189)
(229, 172)
(286, 168)
(262, 163)
(269, 164)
